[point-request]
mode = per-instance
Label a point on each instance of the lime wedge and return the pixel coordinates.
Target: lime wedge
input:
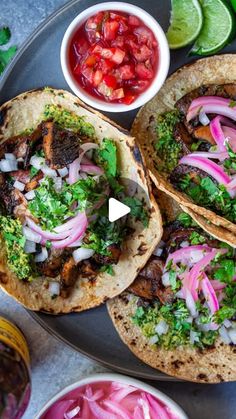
(218, 28)
(185, 23)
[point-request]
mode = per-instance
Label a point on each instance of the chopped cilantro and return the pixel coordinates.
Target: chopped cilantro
(196, 238)
(18, 261)
(226, 271)
(232, 103)
(137, 209)
(186, 220)
(224, 313)
(69, 120)
(106, 157)
(166, 146)
(33, 172)
(108, 269)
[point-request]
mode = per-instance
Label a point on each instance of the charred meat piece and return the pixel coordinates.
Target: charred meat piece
(177, 237)
(222, 90)
(52, 266)
(204, 133)
(182, 169)
(148, 283)
(69, 274)
(34, 182)
(22, 146)
(112, 258)
(12, 200)
(21, 175)
(61, 147)
(183, 137)
(88, 269)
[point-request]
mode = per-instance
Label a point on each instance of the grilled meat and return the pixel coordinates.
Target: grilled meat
(53, 265)
(69, 274)
(182, 169)
(204, 133)
(183, 137)
(22, 146)
(61, 147)
(88, 269)
(21, 175)
(34, 182)
(148, 283)
(112, 258)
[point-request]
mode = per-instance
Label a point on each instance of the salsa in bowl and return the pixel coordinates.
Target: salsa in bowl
(115, 56)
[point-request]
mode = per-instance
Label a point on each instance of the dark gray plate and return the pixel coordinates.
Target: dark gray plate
(37, 64)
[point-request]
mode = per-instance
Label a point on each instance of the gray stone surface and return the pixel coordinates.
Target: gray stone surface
(54, 365)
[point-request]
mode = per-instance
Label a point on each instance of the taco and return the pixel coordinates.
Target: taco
(60, 163)
(179, 315)
(188, 135)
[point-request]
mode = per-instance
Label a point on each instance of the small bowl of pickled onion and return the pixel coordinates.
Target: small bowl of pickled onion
(110, 396)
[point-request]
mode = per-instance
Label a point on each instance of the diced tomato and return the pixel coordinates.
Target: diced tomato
(133, 20)
(90, 61)
(110, 81)
(117, 94)
(105, 65)
(143, 71)
(118, 42)
(87, 72)
(107, 53)
(128, 99)
(142, 54)
(143, 34)
(98, 18)
(96, 49)
(138, 86)
(123, 27)
(117, 17)
(110, 29)
(118, 56)
(126, 72)
(97, 77)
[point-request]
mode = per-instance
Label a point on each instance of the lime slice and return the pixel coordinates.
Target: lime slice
(185, 23)
(218, 28)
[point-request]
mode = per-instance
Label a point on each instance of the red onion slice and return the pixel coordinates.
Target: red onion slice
(31, 235)
(217, 285)
(44, 233)
(209, 294)
(157, 410)
(221, 156)
(219, 109)
(208, 166)
(75, 166)
(206, 100)
(183, 255)
(91, 169)
(77, 232)
(230, 136)
(120, 411)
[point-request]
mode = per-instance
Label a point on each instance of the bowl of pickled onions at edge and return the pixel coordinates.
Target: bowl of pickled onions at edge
(111, 396)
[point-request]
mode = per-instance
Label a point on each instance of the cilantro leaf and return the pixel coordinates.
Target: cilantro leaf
(5, 35)
(232, 103)
(107, 157)
(196, 238)
(6, 56)
(226, 272)
(224, 313)
(185, 220)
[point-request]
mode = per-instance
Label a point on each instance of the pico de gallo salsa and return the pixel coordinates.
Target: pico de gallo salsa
(114, 56)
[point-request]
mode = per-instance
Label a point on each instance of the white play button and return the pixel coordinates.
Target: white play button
(116, 210)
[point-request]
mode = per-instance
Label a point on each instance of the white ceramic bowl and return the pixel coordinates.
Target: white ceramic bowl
(164, 56)
(174, 407)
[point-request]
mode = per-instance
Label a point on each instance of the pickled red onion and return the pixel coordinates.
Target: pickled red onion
(91, 169)
(75, 166)
(230, 136)
(209, 294)
(208, 166)
(182, 255)
(221, 156)
(76, 233)
(213, 107)
(206, 100)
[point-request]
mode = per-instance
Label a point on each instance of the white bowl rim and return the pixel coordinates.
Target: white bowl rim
(124, 379)
(163, 66)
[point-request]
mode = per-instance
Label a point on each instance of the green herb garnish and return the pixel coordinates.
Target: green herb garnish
(166, 146)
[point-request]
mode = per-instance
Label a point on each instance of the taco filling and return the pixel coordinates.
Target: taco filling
(197, 145)
(55, 183)
(186, 294)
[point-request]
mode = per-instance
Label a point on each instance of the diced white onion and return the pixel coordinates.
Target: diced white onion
(193, 337)
(10, 156)
(82, 253)
(19, 185)
(63, 172)
(179, 294)
(8, 165)
(203, 118)
(202, 326)
(48, 171)
(224, 335)
(54, 288)
(42, 256)
(166, 279)
(162, 328)
(189, 319)
(30, 247)
(227, 323)
(83, 175)
(37, 162)
(30, 195)
(31, 235)
(158, 251)
(232, 335)
(20, 160)
(57, 183)
(184, 244)
(154, 339)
